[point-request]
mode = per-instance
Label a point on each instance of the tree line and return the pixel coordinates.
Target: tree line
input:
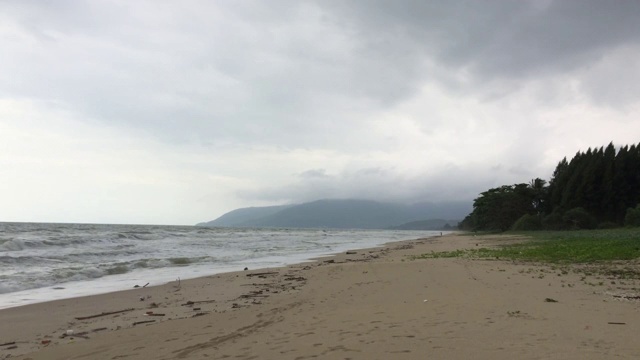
(599, 188)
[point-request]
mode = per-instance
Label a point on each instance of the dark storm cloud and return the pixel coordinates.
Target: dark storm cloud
(497, 38)
(294, 71)
(286, 101)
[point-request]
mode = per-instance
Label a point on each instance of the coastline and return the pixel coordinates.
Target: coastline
(365, 304)
(67, 262)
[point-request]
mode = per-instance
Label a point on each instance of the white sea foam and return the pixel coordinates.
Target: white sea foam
(89, 259)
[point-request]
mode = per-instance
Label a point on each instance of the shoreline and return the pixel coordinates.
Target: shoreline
(361, 304)
(140, 275)
(228, 283)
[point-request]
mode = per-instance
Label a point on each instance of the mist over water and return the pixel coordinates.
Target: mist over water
(40, 262)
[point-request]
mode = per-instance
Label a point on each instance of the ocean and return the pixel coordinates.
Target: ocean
(41, 262)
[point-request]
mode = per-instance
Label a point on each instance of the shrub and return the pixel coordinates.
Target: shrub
(632, 218)
(553, 222)
(607, 225)
(579, 218)
(527, 222)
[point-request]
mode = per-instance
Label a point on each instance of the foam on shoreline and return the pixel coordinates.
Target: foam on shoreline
(365, 304)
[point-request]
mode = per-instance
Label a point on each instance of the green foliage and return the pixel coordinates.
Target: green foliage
(607, 225)
(601, 181)
(553, 221)
(528, 222)
(564, 247)
(578, 218)
(441, 254)
(583, 246)
(594, 187)
(499, 208)
(468, 223)
(632, 218)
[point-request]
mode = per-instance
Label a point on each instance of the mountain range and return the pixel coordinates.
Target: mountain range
(347, 214)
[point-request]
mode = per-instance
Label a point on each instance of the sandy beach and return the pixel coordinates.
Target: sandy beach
(365, 304)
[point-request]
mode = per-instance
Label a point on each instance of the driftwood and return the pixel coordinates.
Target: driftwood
(616, 323)
(154, 314)
(104, 314)
(80, 335)
(9, 343)
(197, 302)
(99, 329)
(263, 273)
(628, 297)
(246, 296)
(143, 322)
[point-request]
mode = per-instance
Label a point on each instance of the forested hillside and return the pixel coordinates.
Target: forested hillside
(596, 188)
(346, 214)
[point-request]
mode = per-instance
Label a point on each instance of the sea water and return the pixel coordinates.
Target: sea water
(42, 262)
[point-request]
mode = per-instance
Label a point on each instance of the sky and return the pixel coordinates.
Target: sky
(167, 112)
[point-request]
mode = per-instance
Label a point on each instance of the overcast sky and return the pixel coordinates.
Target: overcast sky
(175, 112)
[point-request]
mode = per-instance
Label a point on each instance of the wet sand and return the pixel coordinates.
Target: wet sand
(368, 304)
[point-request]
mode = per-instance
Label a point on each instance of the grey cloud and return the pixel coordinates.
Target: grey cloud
(293, 72)
(216, 72)
(314, 174)
(359, 86)
(517, 38)
(448, 183)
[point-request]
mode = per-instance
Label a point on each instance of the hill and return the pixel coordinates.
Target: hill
(341, 214)
(431, 224)
(238, 217)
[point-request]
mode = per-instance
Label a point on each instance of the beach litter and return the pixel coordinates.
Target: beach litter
(104, 314)
(72, 334)
(143, 322)
(263, 273)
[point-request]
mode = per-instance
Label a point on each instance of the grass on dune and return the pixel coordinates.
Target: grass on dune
(583, 246)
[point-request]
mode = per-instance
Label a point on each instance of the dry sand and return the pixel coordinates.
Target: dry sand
(374, 304)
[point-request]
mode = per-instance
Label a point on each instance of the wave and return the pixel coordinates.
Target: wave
(118, 240)
(28, 260)
(47, 272)
(12, 245)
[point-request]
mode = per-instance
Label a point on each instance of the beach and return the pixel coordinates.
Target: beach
(378, 303)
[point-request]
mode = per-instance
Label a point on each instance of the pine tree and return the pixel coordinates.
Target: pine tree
(607, 203)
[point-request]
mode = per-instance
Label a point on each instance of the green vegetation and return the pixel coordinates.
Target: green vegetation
(572, 246)
(443, 254)
(632, 218)
(563, 247)
(599, 188)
